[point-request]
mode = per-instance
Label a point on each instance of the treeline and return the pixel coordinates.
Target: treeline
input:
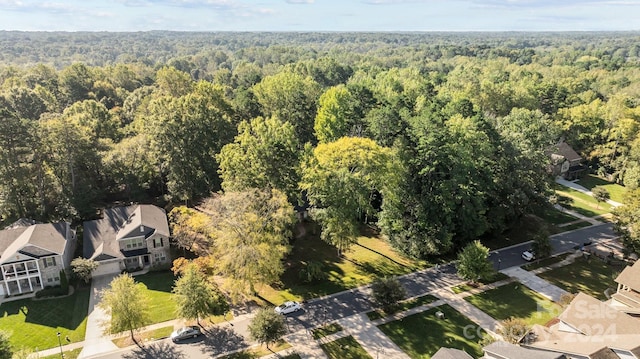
(439, 138)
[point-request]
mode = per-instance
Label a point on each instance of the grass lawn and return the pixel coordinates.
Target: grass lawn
(573, 226)
(421, 335)
(141, 337)
(71, 354)
(545, 262)
(262, 350)
(616, 191)
(402, 306)
(467, 287)
(326, 330)
(553, 216)
(35, 323)
(515, 300)
(161, 304)
(581, 202)
(345, 348)
(591, 277)
(369, 258)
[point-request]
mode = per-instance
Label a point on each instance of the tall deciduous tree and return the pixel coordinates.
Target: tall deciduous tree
(265, 154)
(267, 327)
(250, 232)
(600, 194)
(334, 117)
(626, 220)
(196, 297)
(125, 302)
(473, 262)
(343, 179)
(289, 97)
(387, 292)
(190, 229)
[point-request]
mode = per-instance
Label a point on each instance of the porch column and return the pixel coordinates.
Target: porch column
(7, 287)
(19, 286)
(140, 262)
(39, 275)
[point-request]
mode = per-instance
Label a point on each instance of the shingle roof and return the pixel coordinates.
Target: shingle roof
(100, 236)
(512, 351)
(589, 315)
(565, 150)
(449, 353)
(630, 276)
(36, 240)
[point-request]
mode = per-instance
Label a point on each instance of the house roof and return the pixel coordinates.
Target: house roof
(566, 151)
(36, 240)
(22, 222)
(101, 235)
(449, 353)
(511, 351)
(595, 325)
(630, 276)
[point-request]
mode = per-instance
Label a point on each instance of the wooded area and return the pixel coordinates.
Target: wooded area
(438, 138)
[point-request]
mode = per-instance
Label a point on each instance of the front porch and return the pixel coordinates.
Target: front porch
(136, 263)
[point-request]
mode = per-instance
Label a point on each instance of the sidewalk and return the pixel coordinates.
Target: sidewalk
(591, 220)
(304, 344)
(484, 320)
(536, 283)
(372, 339)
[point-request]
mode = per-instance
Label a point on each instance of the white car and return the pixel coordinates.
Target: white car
(288, 307)
(185, 332)
(528, 255)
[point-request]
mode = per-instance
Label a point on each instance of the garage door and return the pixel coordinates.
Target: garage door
(107, 268)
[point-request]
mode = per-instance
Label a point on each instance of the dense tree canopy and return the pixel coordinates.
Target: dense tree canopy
(458, 126)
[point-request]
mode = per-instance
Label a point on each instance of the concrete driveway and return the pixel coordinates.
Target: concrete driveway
(94, 341)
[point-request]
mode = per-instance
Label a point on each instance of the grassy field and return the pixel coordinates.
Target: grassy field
(544, 262)
(616, 191)
(262, 350)
(35, 323)
(573, 226)
(326, 330)
(421, 335)
(515, 300)
(467, 287)
(402, 306)
(522, 231)
(553, 216)
(591, 277)
(71, 354)
(345, 348)
(162, 307)
(371, 257)
(581, 202)
(141, 337)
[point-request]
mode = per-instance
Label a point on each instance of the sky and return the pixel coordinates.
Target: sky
(320, 15)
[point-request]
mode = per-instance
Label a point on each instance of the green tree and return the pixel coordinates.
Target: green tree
(83, 268)
(290, 97)
(626, 220)
(264, 154)
(190, 229)
(334, 117)
(387, 292)
(473, 262)
(250, 231)
(542, 244)
(5, 346)
(342, 179)
(196, 297)
(600, 194)
(127, 305)
(267, 326)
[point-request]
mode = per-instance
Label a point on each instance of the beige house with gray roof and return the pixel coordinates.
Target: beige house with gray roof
(131, 238)
(32, 256)
(627, 297)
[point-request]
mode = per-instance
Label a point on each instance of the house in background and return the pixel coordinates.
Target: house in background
(565, 161)
(33, 254)
(127, 238)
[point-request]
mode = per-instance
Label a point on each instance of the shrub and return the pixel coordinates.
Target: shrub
(56, 291)
(387, 292)
(64, 282)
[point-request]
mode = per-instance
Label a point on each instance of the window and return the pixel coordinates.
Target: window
(49, 262)
(54, 278)
(158, 242)
(159, 257)
(134, 243)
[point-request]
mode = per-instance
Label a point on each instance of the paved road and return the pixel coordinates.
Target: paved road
(225, 338)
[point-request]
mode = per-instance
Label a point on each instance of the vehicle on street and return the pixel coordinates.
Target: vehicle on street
(288, 307)
(185, 333)
(528, 255)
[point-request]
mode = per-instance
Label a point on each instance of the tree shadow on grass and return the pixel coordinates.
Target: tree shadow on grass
(161, 350)
(222, 339)
(159, 281)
